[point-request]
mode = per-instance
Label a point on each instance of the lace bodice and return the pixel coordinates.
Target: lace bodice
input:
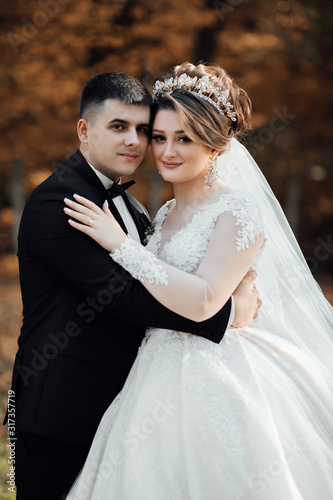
(187, 247)
(203, 261)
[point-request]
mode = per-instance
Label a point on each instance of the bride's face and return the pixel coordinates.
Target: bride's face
(178, 159)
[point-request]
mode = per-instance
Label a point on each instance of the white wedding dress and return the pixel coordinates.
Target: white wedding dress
(249, 418)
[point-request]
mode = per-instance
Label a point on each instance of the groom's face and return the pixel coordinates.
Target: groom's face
(114, 137)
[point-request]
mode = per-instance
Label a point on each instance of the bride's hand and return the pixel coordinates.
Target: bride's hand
(99, 224)
(247, 301)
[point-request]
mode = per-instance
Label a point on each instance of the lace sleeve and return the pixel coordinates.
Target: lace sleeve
(140, 263)
(231, 247)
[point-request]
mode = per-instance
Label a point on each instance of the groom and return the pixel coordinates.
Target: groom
(84, 316)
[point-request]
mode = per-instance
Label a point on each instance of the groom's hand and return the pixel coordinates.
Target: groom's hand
(247, 301)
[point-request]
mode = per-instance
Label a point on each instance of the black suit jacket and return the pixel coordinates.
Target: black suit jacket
(84, 316)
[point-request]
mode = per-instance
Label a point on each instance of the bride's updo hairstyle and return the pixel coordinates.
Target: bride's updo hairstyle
(201, 121)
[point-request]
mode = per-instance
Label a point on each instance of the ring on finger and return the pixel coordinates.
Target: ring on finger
(90, 223)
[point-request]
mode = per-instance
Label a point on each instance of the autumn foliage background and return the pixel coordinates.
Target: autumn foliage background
(279, 51)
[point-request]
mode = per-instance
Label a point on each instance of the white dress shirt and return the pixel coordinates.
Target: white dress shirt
(120, 205)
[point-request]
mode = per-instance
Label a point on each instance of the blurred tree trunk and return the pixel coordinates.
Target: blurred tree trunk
(293, 204)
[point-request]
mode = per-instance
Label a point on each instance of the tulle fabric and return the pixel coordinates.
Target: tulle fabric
(293, 304)
(250, 418)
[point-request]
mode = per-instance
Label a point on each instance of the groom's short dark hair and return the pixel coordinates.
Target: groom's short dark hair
(112, 85)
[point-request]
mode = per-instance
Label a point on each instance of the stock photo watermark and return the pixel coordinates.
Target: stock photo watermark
(265, 135)
(261, 479)
(30, 27)
(135, 437)
(222, 8)
(55, 343)
(322, 252)
(12, 441)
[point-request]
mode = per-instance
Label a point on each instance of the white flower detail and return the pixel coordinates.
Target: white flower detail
(187, 247)
(139, 262)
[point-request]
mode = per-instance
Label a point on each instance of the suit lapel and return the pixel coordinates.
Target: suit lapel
(89, 175)
(138, 217)
(116, 214)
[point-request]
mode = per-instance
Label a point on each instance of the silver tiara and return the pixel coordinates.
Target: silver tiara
(200, 87)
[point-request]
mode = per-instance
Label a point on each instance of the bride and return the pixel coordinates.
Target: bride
(251, 417)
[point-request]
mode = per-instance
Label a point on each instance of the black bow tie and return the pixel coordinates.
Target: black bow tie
(119, 189)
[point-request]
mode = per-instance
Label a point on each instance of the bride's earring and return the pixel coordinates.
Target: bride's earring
(212, 174)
